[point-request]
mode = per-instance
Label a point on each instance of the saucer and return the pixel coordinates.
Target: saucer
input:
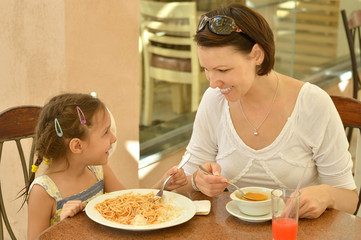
(233, 210)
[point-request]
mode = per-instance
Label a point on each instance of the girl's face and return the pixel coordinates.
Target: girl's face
(100, 139)
(228, 69)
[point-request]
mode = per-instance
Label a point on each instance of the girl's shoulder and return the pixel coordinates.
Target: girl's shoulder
(48, 184)
(98, 171)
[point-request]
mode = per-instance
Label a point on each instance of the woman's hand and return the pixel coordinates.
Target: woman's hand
(316, 199)
(71, 208)
(179, 178)
(210, 185)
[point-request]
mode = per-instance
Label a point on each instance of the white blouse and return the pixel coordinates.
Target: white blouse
(313, 134)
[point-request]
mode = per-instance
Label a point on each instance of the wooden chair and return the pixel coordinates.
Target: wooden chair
(16, 124)
(349, 110)
(169, 52)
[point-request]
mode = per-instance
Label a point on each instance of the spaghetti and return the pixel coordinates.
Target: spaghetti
(137, 209)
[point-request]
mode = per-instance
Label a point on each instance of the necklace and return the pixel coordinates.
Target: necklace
(269, 110)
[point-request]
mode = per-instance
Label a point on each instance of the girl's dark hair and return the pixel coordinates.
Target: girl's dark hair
(255, 30)
(63, 107)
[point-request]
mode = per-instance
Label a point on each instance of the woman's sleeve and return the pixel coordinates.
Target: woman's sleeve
(203, 143)
(329, 142)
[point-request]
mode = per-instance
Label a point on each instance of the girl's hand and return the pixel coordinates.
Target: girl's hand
(71, 208)
(179, 178)
(210, 185)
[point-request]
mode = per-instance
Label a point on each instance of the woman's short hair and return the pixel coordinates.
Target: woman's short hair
(255, 29)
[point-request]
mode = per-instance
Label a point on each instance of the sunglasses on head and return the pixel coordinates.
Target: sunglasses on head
(221, 25)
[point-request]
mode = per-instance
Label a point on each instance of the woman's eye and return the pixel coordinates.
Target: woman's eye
(223, 70)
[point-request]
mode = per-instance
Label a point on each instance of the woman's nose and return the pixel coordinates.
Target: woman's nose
(215, 83)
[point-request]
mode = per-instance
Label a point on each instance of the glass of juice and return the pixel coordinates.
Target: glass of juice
(285, 206)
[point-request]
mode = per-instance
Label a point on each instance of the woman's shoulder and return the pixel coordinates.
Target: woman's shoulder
(213, 100)
(314, 97)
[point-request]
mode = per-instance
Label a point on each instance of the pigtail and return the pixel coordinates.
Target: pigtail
(25, 191)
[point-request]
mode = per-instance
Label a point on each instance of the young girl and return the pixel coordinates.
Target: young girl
(73, 137)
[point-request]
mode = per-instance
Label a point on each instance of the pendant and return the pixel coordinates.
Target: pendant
(255, 132)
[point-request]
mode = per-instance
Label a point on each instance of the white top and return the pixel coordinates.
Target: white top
(313, 133)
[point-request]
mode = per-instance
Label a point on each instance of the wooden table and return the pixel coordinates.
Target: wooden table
(219, 224)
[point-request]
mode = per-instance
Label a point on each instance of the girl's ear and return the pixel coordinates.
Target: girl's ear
(258, 54)
(76, 145)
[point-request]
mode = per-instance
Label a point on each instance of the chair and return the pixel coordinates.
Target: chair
(16, 124)
(349, 110)
(169, 52)
(352, 28)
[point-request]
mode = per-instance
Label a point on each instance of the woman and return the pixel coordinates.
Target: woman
(258, 127)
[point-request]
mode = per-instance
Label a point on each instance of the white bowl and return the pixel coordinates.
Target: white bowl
(254, 208)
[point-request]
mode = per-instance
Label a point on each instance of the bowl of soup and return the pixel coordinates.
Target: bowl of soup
(259, 207)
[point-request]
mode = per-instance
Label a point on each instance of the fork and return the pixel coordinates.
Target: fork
(184, 160)
(203, 170)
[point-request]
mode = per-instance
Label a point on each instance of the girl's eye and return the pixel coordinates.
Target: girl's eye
(223, 70)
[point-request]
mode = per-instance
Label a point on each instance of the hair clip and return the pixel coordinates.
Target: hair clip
(46, 161)
(81, 115)
(34, 168)
(58, 128)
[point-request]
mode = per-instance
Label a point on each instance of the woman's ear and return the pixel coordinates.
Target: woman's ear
(258, 54)
(76, 145)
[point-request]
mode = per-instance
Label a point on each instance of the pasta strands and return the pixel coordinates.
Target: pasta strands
(137, 209)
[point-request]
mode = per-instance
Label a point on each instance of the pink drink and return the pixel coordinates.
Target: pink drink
(284, 229)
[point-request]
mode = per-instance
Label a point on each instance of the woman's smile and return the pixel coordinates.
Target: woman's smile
(226, 91)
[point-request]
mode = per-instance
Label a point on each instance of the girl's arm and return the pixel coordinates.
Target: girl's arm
(40, 210)
(111, 183)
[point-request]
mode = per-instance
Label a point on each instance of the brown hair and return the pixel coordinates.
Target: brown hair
(255, 30)
(63, 107)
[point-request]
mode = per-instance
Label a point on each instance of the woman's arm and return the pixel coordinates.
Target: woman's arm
(41, 208)
(210, 185)
(316, 199)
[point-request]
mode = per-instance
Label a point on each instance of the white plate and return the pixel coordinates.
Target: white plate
(184, 203)
(234, 210)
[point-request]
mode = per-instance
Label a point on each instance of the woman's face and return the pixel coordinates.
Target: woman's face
(228, 69)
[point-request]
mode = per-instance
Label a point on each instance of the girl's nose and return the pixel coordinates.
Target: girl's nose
(113, 138)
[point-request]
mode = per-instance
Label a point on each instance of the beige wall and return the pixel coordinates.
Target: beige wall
(49, 47)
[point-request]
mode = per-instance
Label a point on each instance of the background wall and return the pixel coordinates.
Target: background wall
(50, 47)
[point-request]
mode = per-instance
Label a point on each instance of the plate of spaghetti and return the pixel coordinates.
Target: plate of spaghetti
(136, 209)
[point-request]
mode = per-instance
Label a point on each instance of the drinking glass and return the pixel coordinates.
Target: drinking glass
(285, 206)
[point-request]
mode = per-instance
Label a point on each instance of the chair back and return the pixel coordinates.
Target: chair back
(352, 29)
(349, 110)
(16, 124)
(169, 51)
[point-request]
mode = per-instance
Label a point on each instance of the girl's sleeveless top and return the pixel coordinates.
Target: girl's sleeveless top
(85, 196)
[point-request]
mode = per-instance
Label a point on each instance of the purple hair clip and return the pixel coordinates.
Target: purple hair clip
(58, 130)
(81, 115)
